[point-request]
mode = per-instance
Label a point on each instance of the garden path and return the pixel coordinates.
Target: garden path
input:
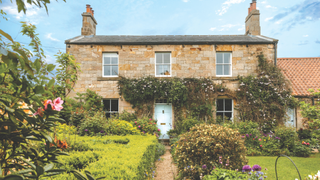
(166, 169)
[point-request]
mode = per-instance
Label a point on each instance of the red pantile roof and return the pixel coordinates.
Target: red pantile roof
(303, 73)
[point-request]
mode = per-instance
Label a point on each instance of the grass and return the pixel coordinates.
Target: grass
(286, 170)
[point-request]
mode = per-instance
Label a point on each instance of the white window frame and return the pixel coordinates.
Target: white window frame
(230, 75)
(232, 110)
(109, 54)
(155, 65)
(111, 112)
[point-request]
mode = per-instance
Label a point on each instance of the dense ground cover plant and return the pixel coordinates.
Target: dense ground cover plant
(121, 127)
(222, 174)
(91, 125)
(209, 146)
(134, 160)
(264, 98)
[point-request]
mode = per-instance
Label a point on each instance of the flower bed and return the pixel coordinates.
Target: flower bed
(113, 160)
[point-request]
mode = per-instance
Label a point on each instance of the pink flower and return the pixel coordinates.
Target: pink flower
(46, 102)
(58, 101)
(260, 145)
(259, 139)
(158, 129)
(135, 122)
(139, 126)
(39, 112)
(150, 119)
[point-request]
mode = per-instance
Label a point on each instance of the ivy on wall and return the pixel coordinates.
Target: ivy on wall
(194, 95)
(265, 98)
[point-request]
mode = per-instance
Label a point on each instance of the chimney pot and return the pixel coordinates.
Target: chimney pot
(88, 7)
(92, 12)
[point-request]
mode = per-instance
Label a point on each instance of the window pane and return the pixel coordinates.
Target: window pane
(228, 115)
(226, 70)
(114, 105)
(228, 104)
(219, 115)
(114, 60)
(114, 70)
(220, 105)
(106, 60)
(166, 69)
(106, 71)
(106, 105)
(219, 69)
(219, 57)
(166, 57)
(227, 57)
(159, 57)
(158, 69)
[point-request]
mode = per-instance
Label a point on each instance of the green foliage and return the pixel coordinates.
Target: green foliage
(222, 174)
(161, 149)
(91, 125)
(24, 83)
(209, 145)
(65, 129)
(91, 100)
(264, 98)
(130, 117)
(302, 150)
(66, 75)
(134, 160)
(304, 133)
(196, 95)
(287, 136)
(78, 160)
(121, 127)
(146, 125)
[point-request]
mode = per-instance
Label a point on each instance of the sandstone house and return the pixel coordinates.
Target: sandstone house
(221, 58)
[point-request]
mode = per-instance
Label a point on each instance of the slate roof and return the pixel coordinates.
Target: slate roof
(171, 39)
(303, 73)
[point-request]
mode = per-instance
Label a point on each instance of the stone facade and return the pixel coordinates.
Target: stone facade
(139, 60)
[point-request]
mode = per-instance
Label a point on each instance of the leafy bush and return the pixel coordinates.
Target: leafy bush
(222, 174)
(130, 117)
(91, 125)
(302, 150)
(287, 136)
(78, 160)
(146, 125)
(209, 145)
(161, 149)
(304, 133)
(65, 129)
(121, 127)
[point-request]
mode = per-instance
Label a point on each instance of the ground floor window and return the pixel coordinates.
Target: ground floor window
(224, 109)
(111, 107)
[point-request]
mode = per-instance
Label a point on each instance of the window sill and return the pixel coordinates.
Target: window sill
(116, 78)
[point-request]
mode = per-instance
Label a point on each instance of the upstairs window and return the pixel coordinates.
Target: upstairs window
(111, 107)
(223, 64)
(163, 64)
(110, 63)
(224, 109)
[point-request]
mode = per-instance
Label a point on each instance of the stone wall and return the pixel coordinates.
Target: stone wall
(139, 60)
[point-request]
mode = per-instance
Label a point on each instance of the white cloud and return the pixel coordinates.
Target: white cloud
(51, 38)
(270, 7)
(279, 22)
(185, 1)
(13, 10)
(227, 4)
(241, 29)
(263, 2)
(213, 28)
(228, 25)
(305, 35)
(269, 18)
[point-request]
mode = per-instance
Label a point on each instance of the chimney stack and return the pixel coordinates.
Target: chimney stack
(89, 23)
(253, 20)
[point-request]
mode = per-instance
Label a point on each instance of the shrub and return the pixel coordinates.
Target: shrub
(93, 124)
(161, 149)
(209, 145)
(65, 129)
(77, 160)
(121, 127)
(130, 117)
(304, 133)
(302, 150)
(146, 125)
(287, 136)
(222, 174)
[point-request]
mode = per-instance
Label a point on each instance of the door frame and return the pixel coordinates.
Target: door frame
(172, 114)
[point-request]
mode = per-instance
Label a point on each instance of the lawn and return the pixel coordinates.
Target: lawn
(286, 169)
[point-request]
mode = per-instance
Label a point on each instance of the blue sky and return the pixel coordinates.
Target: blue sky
(295, 23)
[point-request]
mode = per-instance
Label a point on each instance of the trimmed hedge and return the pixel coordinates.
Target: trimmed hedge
(134, 160)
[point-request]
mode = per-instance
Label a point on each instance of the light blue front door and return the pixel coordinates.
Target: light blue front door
(163, 114)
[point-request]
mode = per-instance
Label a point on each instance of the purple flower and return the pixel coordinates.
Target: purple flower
(242, 136)
(246, 168)
(250, 134)
(247, 135)
(86, 130)
(102, 131)
(204, 167)
(256, 167)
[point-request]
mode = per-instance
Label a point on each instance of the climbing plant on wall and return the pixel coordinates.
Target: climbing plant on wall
(264, 98)
(192, 94)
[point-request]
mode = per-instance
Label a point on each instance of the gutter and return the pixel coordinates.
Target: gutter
(275, 52)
